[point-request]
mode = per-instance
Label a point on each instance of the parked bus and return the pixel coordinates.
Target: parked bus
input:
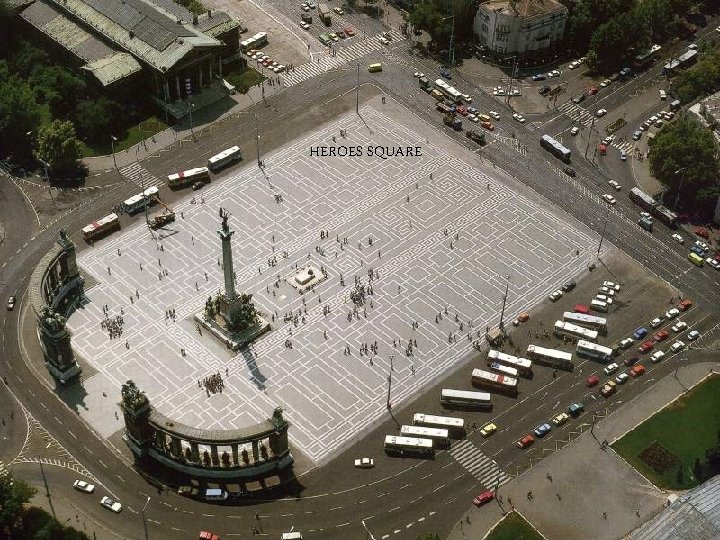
(101, 227)
(248, 44)
(594, 351)
(189, 177)
(374, 68)
(555, 148)
(550, 357)
(588, 321)
(455, 426)
(494, 381)
(645, 57)
(497, 367)
(464, 398)
(522, 365)
(573, 331)
(667, 216)
(408, 445)
(218, 161)
(141, 200)
(448, 91)
(439, 436)
(260, 39)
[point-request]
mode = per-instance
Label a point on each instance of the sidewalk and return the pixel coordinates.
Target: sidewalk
(204, 118)
(566, 495)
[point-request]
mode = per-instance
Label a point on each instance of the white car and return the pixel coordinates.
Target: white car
(515, 92)
(693, 335)
(679, 326)
(627, 343)
(677, 346)
(609, 199)
(614, 184)
(603, 298)
(692, 46)
(473, 118)
(555, 296)
(610, 369)
(365, 463)
(553, 73)
(601, 112)
(575, 130)
(498, 91)
(674, 312)
(702, 245)
(611, 285)
(384, 40)
(519, 117)
(305, 7)
(279, 68)
(657, 356)
(605, 83)
(573, 64)
(108, 503)
(82, 485)
(339, 11)
(495, 115)
(304, 25)
(645, 215)
(679, 239)
(656, 322)
(419, 74)
(622, 378)
(608, 291)
(712, 262)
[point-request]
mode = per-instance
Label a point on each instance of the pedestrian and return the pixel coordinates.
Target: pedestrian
(604, 515)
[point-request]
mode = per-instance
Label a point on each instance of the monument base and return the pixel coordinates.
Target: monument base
(233, 340)
(306, 277)
(65, 375)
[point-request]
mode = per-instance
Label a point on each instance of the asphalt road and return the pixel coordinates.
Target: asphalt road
(411, 496)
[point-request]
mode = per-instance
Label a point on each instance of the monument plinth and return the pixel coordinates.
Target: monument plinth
(306, 277)
(229, 316)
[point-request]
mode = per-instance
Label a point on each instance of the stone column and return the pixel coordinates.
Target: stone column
(235, 457)
(177, 88)
(195, 451)
(225, 236)
(214, 458)
(175, 447)
(166, 90)
(255, 451)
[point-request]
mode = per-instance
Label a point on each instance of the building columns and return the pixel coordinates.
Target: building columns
(214, 458)
(177, 88)
(255, 451)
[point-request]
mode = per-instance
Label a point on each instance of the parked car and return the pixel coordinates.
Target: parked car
(519, 117)
(656, 322)
(576, 408)
(544, 90)
(542, 430)
(679, 326)
(657, 356)
(574, 130)
(679, 239)
(671, 314)
(578, 99)
(626, 343)
(637, 370)
(554, 73)
(614, 184)
(568, 286)
(646, 346)
(601, 112)
(609, 199)
(339, 11)
(365, 463)
(592, 90)
(610, 369)
(622, 378)
(560, 419)
(661, 335)
(611, 285)
(608, 389)
(484, 497)
(693, 335)
(631, 361)
(677, 346)
(495, 115)
(592, 380)
(526, 441)
(640, 333)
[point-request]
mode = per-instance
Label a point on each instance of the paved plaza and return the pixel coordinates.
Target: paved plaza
(409, 208)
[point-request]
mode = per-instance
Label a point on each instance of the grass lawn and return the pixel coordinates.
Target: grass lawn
(244, 80)
(133, 135)
(686, 428)
(514, 527)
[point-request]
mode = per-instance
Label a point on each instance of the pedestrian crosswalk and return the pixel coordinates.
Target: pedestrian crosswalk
(343, 56)
(140, 175)
(478, 464)
(577, 113)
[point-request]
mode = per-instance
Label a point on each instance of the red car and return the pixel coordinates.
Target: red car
(581, 308)
(461, 110)
(349, 31)
(592, 380)
(646, 346)
(526, 441)
(485, 496)
(637, 370)
(592, 90)
(686, 304)
(661, 335)
(205, 535)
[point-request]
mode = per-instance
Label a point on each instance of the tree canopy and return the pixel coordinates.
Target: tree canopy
(683, 159)
(19, 114)
(58, 146)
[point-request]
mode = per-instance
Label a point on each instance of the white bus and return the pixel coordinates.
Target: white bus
(218, 161)
(449, 91)
(550, 357)
(523, 365)
(246, 45)
(141, 200)
(464, 398)
(189, 177)
(408, 445)
(455, 426)
(588, 321)
(494, 381)
(101, 226)
(437, 435)
(260, 39)
(573, 331)
(593, 351)
(497, 367)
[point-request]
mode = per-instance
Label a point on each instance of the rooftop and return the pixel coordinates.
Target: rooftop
(523, 8)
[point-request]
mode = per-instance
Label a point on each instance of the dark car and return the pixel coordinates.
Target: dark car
(569, 286)
(538, 77)
(444, 72)
(631, 361)
(543, 90)
(570, 172)
(197, 185)
(579, 98)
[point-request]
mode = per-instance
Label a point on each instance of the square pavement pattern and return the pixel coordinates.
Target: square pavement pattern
(411, 208)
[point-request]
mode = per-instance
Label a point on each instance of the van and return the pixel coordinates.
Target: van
(291, 536)
(597, 305)
(696, 259)
(215, 494)
(229, 88)
(675, 105)
(484, 118)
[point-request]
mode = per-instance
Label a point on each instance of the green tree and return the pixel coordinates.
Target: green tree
(95, 118)
(27, 58)
(13, 495)
(682, 155)
(428, 16)
(58, 146)
(19, 114)
(59, 88)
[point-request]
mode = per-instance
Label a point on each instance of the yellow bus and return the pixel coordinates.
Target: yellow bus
(373, 68)
(696, 259)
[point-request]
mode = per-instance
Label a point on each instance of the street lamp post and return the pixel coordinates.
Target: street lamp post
(112, 146)
(257, 140)
(607, 218)
(451, 49)
(682, 181)
(389, 379)
(46, 166)
(190, 108)
(143, 518)
(357, 91)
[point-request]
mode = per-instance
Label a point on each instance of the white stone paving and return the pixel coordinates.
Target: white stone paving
(329, 397)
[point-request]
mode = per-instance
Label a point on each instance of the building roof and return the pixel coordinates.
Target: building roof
(143, 28)
(693, 516)
(523, 8)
